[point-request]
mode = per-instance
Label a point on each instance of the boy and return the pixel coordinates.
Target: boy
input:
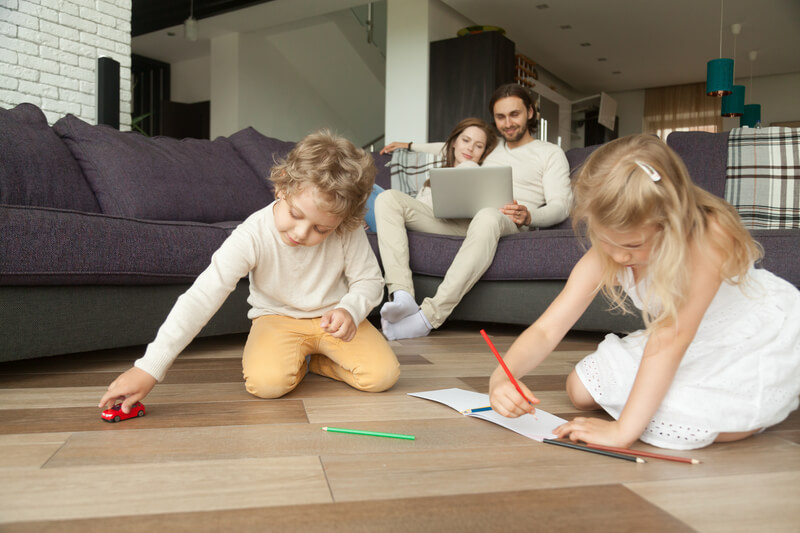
(313, 280)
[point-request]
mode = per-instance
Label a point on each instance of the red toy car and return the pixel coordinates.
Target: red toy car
(115, 414)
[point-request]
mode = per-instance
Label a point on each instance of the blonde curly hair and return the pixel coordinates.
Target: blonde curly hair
(342, 174)
(614, 191)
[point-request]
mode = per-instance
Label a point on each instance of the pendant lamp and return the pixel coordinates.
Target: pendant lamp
(719, 72)
(733, 104)
(190, 24)
(751, 117)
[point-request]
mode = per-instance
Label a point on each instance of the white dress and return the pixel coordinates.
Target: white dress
(740, 373)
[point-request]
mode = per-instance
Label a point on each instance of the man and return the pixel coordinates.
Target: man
(540, 173)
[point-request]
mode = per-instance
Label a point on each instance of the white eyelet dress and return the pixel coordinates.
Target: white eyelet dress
(740, 373)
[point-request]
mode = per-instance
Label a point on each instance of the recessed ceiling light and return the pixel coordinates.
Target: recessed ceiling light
(601, 59)
(542, 6)
(616, 72)
(566, 27)
(586, 44)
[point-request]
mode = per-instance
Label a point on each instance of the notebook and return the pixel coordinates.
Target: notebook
(538, 426)
(462, 192)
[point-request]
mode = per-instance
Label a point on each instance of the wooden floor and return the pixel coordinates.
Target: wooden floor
(210, 457)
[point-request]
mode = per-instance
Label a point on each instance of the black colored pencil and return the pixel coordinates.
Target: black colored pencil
(581, 447)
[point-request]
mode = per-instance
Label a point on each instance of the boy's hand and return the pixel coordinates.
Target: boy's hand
(338, 323)
(131, 386)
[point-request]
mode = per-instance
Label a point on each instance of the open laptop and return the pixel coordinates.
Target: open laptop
(462, 192)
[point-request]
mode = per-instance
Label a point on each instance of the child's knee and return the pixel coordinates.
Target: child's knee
(270, 386)
(377, 380)
(578, 394)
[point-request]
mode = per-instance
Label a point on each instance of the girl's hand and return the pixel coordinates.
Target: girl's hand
(595, 431)
(338, 323)
(518, 213)
(391, 147)
(130, 387)
(506, 400)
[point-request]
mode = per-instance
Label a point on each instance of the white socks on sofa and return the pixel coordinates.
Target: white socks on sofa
(402, 318)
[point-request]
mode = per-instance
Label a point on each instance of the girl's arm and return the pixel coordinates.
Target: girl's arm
(662, 357)
(543, 336)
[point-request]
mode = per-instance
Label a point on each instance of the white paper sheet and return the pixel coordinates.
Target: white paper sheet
(536, 427)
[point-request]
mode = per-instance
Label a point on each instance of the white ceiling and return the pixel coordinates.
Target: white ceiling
(651, 43)
(648, 43)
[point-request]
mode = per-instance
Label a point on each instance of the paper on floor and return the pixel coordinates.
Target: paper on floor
(536, 427)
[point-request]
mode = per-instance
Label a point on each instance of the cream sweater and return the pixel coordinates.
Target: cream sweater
(541, 177)
(299, 282)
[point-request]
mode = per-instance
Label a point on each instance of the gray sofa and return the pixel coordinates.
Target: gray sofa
(101, 231)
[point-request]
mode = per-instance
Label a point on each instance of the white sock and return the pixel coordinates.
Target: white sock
(415, 325)
(401, 306)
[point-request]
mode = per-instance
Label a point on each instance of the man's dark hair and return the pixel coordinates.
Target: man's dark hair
(514, 89)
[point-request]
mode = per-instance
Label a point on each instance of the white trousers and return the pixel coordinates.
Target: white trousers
(396, 212)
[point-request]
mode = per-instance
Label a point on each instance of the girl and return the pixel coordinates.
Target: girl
(470, 141)
(313, 279)
(719, 359)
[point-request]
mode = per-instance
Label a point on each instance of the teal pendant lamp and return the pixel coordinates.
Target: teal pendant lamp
(719, 77)
(719, 72)
(733, 104)
(751, 116)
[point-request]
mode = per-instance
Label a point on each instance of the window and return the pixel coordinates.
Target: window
(681, 108)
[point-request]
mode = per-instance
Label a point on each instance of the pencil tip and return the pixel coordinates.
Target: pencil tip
(640, 460)
(325, 428)
(696, 462)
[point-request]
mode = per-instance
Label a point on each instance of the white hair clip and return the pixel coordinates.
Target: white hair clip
(650, 171)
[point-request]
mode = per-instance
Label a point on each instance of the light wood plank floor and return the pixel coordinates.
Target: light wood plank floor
(210, 457)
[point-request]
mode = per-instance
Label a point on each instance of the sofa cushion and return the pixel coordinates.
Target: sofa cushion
(43, 246)
(705, 156)
(259, 151)
(576, 157)
(533, 255)
(36, 168)
(162, 178)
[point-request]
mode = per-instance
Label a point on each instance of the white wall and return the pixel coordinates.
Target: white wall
(630, 110)
(407, 60)
(778, 95)
(49, 51)
(190, 81)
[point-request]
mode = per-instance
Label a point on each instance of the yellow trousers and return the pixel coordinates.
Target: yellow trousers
(274, 360)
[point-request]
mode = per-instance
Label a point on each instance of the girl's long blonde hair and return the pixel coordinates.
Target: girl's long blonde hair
(613, 191)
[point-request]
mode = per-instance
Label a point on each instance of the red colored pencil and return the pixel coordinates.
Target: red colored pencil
(644, 454)
(503, 364)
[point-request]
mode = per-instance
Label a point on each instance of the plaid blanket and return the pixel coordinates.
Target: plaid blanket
(409, 169)
(763, 176)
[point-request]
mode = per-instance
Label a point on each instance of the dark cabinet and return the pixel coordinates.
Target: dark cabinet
(464, 72)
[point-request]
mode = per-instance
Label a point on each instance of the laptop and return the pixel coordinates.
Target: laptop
(462, 192)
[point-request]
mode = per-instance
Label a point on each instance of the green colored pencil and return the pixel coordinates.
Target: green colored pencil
(370, 433)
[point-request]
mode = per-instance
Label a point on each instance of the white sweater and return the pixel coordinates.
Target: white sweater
(299, 282)
(541, 177)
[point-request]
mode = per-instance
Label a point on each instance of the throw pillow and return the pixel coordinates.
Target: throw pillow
(763, 178)
(259, 151)
(162, 178)
(36, 168)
